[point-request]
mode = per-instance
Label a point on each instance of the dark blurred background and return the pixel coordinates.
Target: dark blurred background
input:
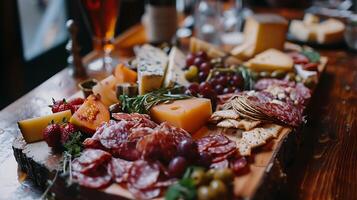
(33, 37)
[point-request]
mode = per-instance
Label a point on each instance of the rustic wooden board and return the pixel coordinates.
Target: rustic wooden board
(264, 180)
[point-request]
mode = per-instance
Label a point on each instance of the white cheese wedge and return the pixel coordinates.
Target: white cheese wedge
(271, 60)
(174, 72)
(151, 66)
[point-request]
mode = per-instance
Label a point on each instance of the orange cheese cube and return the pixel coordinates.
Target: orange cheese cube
(189, 114)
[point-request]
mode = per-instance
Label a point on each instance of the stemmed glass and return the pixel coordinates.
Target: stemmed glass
(101, 17)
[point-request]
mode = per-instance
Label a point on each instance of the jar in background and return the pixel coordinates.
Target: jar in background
(160, 20)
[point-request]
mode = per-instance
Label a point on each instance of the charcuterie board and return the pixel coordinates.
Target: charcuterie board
(202, 122)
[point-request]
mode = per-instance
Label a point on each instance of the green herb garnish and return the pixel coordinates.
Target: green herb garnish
(248, 78)
(74, 145)
(313, 56)
(143, 103)
(184, 188)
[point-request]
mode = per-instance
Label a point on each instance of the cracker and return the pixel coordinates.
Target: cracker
(243, 147)
(253, 137)
(272, 129)
(224, 114)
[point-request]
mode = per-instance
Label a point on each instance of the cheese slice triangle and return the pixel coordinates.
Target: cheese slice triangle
(271, 60)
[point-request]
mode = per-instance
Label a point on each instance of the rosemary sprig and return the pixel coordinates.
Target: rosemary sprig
(143, 103)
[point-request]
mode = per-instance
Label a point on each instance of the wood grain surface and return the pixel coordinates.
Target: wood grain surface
(326, 167)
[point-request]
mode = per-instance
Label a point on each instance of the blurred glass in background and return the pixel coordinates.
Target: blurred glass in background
(42, 25)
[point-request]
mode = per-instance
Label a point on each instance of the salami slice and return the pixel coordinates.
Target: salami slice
(145, 193)
(143, 175)
(264, 83)
(118, 169)
(90, 160)
(220, 165)
(218, 146)
(95, 182)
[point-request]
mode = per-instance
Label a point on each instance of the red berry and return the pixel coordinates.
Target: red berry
(66, 131)
(56, 105)
(65, 106)
(76, 101)
(52, 135)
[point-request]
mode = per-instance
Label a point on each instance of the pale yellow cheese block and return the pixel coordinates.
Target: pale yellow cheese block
(271, 60)
(261, 32)
(189, 114)
(330, 31)
(32, 129)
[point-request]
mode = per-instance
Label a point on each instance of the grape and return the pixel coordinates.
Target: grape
(239, 165)
(188, 149)
(213, 81)
(227, 90)
(177, 166)
(194, 87)
(198, 61)
(202, 55)
(219, 89)
(204, 159)
(205, 86)
(202, 76)
(190, 59)
(206, 67)
(237, 80)
(222, 80)
(237, 90)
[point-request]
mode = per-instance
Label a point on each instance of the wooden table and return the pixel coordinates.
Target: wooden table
(326, 167)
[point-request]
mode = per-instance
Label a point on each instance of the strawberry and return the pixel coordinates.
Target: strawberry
(66, 131)
(56, 105)
(76, 101)
(52, 135)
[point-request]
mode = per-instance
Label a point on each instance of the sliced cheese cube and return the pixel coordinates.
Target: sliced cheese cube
(271, 60)
(330, 31)
(174, 72)
(151, 64)
(262, 32)
(189, 114)
(31, 129)
(302, 31)
(311, 19)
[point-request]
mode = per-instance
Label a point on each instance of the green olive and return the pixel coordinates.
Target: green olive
(291, 76)
(198, 176)
(205, 193)
(278, 74)
(209, 174)
(218, 188)
(226, 175)
(309, 82)
(192, 73)
(298, 78)
(264, 74)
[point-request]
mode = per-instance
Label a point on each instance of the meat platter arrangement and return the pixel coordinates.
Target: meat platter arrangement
(206, 124)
